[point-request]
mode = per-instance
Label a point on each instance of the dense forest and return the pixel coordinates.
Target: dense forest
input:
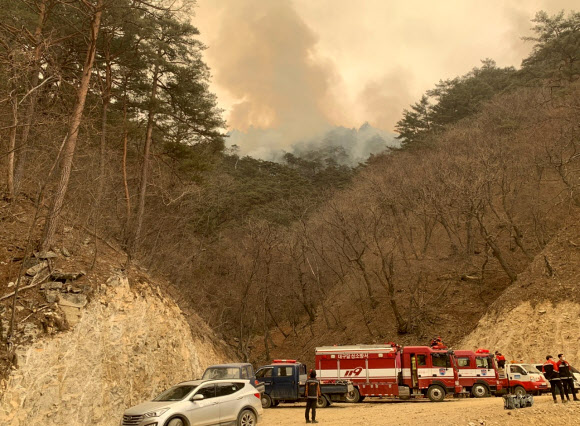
(108, 122)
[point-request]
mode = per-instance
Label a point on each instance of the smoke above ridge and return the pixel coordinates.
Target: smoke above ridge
(290, 71)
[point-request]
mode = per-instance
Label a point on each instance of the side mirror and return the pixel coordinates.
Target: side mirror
(197, 397)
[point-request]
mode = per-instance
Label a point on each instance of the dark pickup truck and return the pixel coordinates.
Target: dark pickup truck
(284, 381)
(240, 370)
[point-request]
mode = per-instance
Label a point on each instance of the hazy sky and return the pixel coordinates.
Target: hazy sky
(298, 66)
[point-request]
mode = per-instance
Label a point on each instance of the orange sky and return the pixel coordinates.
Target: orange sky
(298, 66)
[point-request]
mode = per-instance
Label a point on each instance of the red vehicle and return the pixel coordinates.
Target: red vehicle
(522, 379)
(478, 372)
(390, 370)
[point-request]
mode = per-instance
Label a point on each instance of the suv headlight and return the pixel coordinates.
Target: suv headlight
(155, 413)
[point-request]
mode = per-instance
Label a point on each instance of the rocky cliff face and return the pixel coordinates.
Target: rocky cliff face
(127, 346)
(540, 313)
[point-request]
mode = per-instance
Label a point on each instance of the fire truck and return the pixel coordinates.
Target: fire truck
(478, 373)
(390, 370)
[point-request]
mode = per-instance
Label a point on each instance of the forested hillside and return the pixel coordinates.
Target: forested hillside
(109, 124)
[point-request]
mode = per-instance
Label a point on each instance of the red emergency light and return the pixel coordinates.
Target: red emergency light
(482, 351)
(285, 361)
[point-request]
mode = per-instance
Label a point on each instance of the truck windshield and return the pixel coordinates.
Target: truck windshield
(531, 369)
(441, 360)
(176, 393)
(216, 373)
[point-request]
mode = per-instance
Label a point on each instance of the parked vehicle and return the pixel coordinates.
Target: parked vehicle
(199, 402)
(521, 379)
(240, 370)
(478, 373)
(390, 370)
(285, 382)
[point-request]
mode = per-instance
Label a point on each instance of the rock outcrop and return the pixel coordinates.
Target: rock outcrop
(540, 313)
(127, 346)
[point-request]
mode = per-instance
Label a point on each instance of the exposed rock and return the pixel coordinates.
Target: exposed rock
(36, 269)
(72, 300)
(10, 284)
(91, 374)
(52, 323)
(45, 255)
(51, 296)
(30, 331)
(71, 305)
(65, 252)
(51, 285)
(58, 275)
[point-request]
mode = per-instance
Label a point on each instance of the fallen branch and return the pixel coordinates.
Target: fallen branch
(26, 287)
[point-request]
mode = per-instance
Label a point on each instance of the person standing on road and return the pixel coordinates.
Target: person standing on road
(566, 377)
(550, 370)
(312, 391)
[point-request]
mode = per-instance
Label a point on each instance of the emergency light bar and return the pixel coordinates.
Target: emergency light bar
(287, 361)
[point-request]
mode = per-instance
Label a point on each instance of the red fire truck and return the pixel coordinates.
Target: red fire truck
(478, 372)
(390, 370)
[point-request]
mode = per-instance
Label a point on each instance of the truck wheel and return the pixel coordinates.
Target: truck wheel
(247, 418)
(266, 401)
(479, 391)
(353, 396)
(520, 391)
(322, 402)
(436, 393)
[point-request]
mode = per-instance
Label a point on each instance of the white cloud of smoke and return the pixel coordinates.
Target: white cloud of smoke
(289, 70)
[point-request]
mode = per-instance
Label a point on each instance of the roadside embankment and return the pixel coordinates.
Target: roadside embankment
(128, 345)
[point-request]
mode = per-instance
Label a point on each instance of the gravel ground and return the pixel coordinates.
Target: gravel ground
(468, 412)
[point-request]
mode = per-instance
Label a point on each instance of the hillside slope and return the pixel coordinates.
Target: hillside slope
(540, 313)
(95, 339)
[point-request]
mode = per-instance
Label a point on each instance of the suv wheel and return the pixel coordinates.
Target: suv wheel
(176, 422)
(247, 418)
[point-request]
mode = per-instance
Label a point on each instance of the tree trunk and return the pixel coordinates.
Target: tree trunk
(12, 150)
(145, 165)
(73, 132)
(34, 77)
(124, 166)
(103, 142)
(497, 253)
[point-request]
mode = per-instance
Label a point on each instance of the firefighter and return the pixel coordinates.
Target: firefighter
(312, 391)
(500, 359)
(550, 370)
(566, 377)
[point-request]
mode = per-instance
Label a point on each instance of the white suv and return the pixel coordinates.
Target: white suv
(200, 402)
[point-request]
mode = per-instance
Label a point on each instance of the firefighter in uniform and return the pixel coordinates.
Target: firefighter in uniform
(500, 359)
(566, 377)
(312, 391)
(550, 370)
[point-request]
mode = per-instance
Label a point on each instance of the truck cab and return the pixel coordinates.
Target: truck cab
(522, 379)
(285, 380)
(478, 373)
(430, 371)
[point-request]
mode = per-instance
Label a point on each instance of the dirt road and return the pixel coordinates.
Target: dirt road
(466, 412)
